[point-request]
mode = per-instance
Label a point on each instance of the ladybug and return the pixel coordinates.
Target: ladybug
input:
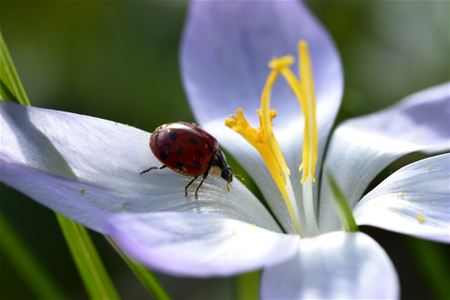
(189, 150)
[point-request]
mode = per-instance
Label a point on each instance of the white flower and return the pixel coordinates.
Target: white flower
(88, 168)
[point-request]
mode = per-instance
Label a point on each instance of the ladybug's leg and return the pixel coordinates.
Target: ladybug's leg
(152, 168)
(188, 185)
(201, 182)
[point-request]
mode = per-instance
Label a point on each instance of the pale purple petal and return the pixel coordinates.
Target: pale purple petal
(361, 148)
(88, 168)
(414, 200)
(225, 50)
(336, 265)
(199, 245)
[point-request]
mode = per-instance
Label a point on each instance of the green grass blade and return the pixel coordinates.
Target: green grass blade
(9, 77)
(341, 204)
(26, 264)
(87, 260)
(144, 275)
(91, 268)
(5, 93)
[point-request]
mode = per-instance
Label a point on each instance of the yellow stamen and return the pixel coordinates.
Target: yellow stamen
(264, 141)
(307, 80)
(281, 62)
(304, 91)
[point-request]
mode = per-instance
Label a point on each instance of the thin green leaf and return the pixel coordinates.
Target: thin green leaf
(9, 77)
(144, 275)
(27, 265)
(341, 204)
(91, 268)
(248, 286)
(87, 260)
(6, 94)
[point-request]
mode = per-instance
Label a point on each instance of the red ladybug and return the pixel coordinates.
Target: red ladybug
(189, 150)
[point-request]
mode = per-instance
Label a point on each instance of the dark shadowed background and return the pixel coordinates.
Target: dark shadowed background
(118, 60)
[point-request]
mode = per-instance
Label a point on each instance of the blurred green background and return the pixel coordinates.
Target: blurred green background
(118, 60)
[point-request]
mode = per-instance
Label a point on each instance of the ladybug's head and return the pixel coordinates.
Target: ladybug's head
(227, 174)
(220, 162)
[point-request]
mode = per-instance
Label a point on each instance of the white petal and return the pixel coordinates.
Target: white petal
(362, 147)
(199, 245)
(336, 265)
(88, 168)
(414, 200)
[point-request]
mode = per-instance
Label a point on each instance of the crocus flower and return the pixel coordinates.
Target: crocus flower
(88, 168)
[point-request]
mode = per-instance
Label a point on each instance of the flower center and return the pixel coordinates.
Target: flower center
(264, 141)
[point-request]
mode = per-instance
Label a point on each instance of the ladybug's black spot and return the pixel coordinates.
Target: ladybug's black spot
(180, 150)
(164, 146)
(173, 135)
(164, 155)
(193, 141)
(201, 154)
(197, 164)
(179, 166)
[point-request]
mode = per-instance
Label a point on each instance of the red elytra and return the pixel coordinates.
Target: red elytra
(189, 150)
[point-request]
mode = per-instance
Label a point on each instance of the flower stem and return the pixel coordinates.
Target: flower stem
(431, 258)
(341, 204)
(247, 286)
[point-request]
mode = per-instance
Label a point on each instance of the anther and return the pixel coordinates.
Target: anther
(281, 62)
